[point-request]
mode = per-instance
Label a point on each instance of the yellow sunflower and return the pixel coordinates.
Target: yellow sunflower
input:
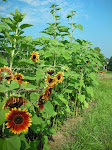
(34, 56)
(18, 77)
(48, 92)
(18, 120)
(14, 101)
(5, 73)
(59, 77)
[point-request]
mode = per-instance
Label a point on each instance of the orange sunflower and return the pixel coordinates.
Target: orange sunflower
(48, 92)
(42, 101)
(50, 80)
(50, 72)
(14, 101)
(59, 77)
(5, 73)
(34, 56)
(18, 78)
(18, 120)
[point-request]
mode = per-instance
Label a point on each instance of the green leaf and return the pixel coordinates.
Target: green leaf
(24, 143)
(29, 77)
(2, 116)
(27, 86)
(37, 120)
(25, 61)
(39, 75)
(79, 26)
(48, 109)
(34, 144)
(14, 85)
(63, 99)
(3, 61)
(9, 143)
(89, 90)
(3, 89)
(68, 90)
(51, 131)
(85, 104)
(33, 96)
(25, 26)
(81, 98)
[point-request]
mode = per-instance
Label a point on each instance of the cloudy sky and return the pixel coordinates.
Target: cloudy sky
(94, 15)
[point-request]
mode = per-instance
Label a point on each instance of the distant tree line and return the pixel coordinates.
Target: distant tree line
(109, 65)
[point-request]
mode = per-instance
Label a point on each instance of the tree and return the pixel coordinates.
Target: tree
(109, 66)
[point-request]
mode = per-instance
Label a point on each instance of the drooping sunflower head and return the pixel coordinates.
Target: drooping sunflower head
(5, 73)
(50, 72)
(48, 92)
(18, 120)
(34, 56)
(18, 77)
(41, 102)
(59, 77)
(50, 80)
(14, 101)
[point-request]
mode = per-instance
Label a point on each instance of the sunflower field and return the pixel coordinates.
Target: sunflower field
(43, 81)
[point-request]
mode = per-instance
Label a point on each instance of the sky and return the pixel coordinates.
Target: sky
(94, 15)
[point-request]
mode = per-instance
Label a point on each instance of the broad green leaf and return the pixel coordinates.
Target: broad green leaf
(34, 144)
(39, 75)
(24, 143)
(2, 116)
(37, 120)
(3, 61)
(68, 90)
(3, 89)
(51, 131)
(79, 26)
(14, 85)
(85, 104)
(25, 61)
(30, 77)
(27, 86)
(63, 99)
(48, 109)
(89, 91)
(33, 96)
(9, 143)
(81, 98)
(25, 26)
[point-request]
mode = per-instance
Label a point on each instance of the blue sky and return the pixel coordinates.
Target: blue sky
(94, 15)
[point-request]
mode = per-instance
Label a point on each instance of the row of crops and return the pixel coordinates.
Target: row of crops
(43, 81)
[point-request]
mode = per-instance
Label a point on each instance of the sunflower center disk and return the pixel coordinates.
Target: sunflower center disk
(18, 119)
(18, 78)
(59, 77)
(34, 56)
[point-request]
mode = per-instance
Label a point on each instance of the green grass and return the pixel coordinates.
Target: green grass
(109, 72)
(95, 131)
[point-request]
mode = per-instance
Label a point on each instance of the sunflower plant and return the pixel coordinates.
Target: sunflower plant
(40, 88)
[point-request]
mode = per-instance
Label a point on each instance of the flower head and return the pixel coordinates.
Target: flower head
(18, 78)
(59, 77)
(18, 120)
(14, 101)
(34, 56)
(5, 73)
(50, 80)
(50, 72)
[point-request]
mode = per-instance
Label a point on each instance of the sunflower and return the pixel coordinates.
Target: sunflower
(48, 92)
(14, 101)
(5, 73)
(59, 77)
(101, 72)
(50, 80)
(50, 72)
(18, 120)
(42, 101)
(18, 78)
(34, 56)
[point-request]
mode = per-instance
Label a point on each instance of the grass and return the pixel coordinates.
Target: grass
(94, 132)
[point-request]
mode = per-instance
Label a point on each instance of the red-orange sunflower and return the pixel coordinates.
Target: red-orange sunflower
(14, 101)
(48, 92)
(34, 56)
(50, 79)
(5, 73)
(18, 77)
(59, 77)
(18, 120)
(42, 101)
